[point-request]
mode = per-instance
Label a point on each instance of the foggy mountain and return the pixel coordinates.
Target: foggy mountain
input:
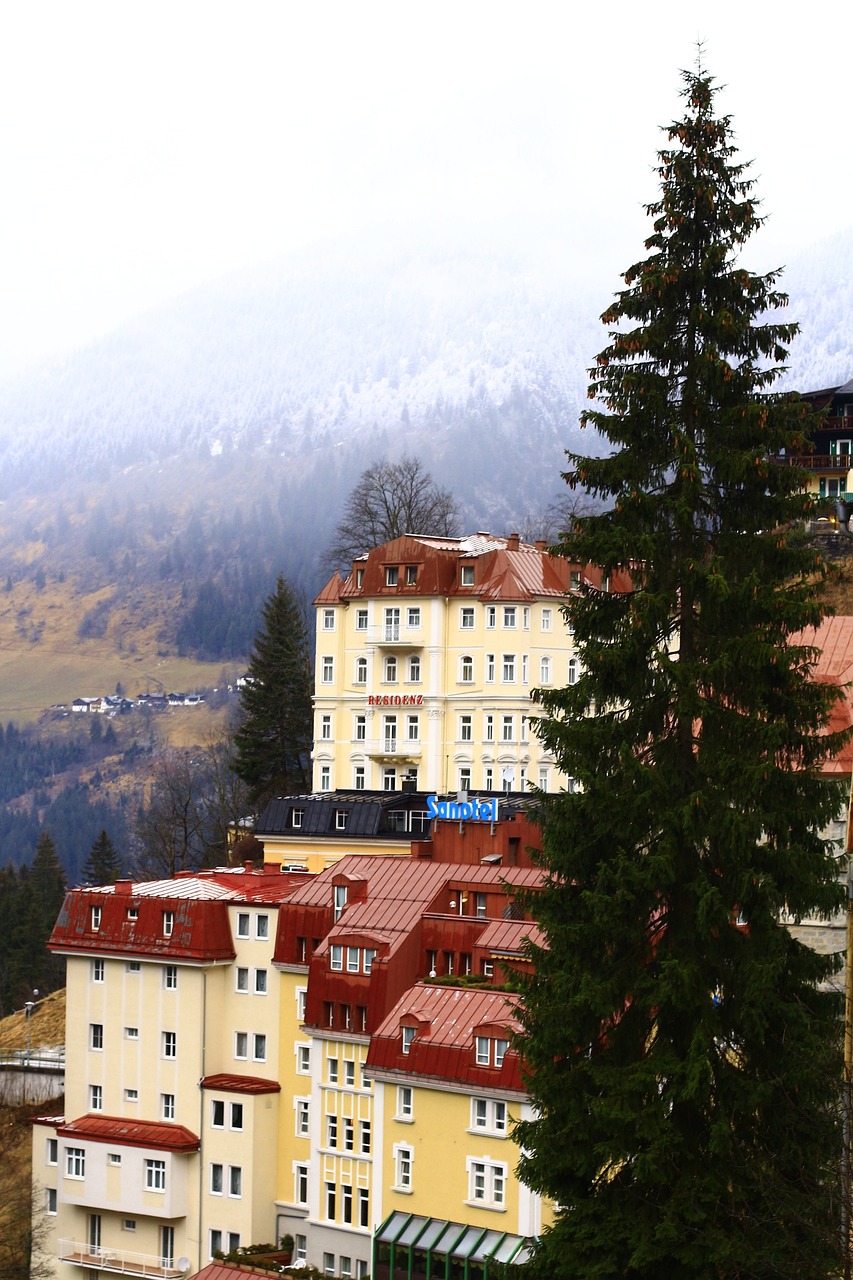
(213, 441)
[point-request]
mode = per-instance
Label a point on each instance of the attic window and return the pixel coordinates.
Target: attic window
(132, 914)
(392, 575)
(411, 574)
(467, 575)
(408, 1037)
(296, 816)
(341, 816)
(168, 923)
(340, 900)
(359, 577)
(96, 919)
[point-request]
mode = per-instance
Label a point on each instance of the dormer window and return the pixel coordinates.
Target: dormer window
(168, 923)
(340, 900)
(411, 574)
(296, 816)
(341, 819)
(359, 577)
(467, 575)
(132, 915)
(96, 919)
(408, 1037)
(392, 575)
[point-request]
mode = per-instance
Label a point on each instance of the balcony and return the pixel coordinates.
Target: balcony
(838, 463)
(394, 635)
(393, 748)
(117, 1262)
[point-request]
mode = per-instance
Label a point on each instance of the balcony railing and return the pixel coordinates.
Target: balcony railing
(840, 462)
(120, 1262)
(396, 748)
(394, 633)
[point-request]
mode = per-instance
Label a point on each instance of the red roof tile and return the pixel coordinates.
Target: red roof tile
(240, 1084)
(508, 936)
(230, 1271)
(130, 1133)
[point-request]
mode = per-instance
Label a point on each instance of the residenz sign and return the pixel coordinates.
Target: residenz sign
(463, 810)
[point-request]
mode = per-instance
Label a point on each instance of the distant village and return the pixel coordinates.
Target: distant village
(117, 704)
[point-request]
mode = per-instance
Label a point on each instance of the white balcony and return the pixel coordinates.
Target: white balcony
(117, 1262)
(395, 634)
(393, 748)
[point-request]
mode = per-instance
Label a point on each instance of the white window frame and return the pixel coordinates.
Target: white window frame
(328, 619)
(326, 728)
(413, 617)
(466, 728)
(235, 1181)
(170, 977)
(327, 669)
(336, 957)
(98, 970)
(155, 1175)
(75, 1163)
(360, 671)
(545, 670)
(510, 617)
(404, 1159)
(243, 924)
(407, 1036)
(259, 1046)
(508, 665)
(546, 619)
(168, 923)
(303, 1059)
(486, 1182)
(302, 1107)
(414, 669)
(241, 980)
(491, 617)
(217, 1113)
(466, 669)
(261, 982)
(241, 1041)
(466, 618)
(216, 1181)
(405, 1103)
(96, 1036)
(96, 1097)
(361, 619)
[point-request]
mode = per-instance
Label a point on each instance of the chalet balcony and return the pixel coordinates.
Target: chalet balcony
(118, 1262)
(837, 463)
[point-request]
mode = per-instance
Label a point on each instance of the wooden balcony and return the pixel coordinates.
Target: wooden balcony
(835, 463)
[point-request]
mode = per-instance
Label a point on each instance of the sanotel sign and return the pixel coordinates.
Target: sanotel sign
(462, 810)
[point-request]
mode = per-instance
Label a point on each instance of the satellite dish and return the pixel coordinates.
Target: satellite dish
(184, 1264)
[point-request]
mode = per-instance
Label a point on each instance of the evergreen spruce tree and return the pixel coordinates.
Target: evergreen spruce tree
(102, 865)
(273, 741)
(684, 1062)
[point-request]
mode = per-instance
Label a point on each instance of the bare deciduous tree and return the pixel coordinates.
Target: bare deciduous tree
(390, 499)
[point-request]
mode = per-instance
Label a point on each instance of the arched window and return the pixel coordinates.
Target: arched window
(573, 670)
(466, 669)
(415, 669)
(361, 670)
(391, 670)
(545, 671)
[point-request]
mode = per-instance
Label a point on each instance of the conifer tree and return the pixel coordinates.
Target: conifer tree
(102, 865)
(684, 1064)
(273, 741)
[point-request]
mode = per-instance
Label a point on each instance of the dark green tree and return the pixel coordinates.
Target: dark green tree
(273, 741)
(102, 865)
(684, 1062)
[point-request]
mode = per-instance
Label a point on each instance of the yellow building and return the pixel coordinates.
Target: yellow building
(448, 1092)
(426, 659)
(167, 1149)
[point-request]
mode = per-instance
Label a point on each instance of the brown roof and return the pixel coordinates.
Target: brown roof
(228, 1083)
(130, 1133)
(509, 936)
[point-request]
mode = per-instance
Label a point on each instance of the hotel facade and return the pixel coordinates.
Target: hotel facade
(427, 658)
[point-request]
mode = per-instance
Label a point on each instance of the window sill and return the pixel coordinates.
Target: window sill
(484, 1204)
(405, 1119)
(403, 1191)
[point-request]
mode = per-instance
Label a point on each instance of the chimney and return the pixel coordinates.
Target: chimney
(248, 865)
(123, 886)
(512, 542)
(541, 546)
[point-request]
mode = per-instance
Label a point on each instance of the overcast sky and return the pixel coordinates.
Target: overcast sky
(146, 147)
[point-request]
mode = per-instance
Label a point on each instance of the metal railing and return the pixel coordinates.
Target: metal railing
(118, 1261)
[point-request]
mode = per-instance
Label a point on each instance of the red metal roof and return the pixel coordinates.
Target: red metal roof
(505, 569)
(449, 1019)
(834, 639)
(508, 936)
(130, 1133)
(227, 1083)
(201, 930)
(230, 1271)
